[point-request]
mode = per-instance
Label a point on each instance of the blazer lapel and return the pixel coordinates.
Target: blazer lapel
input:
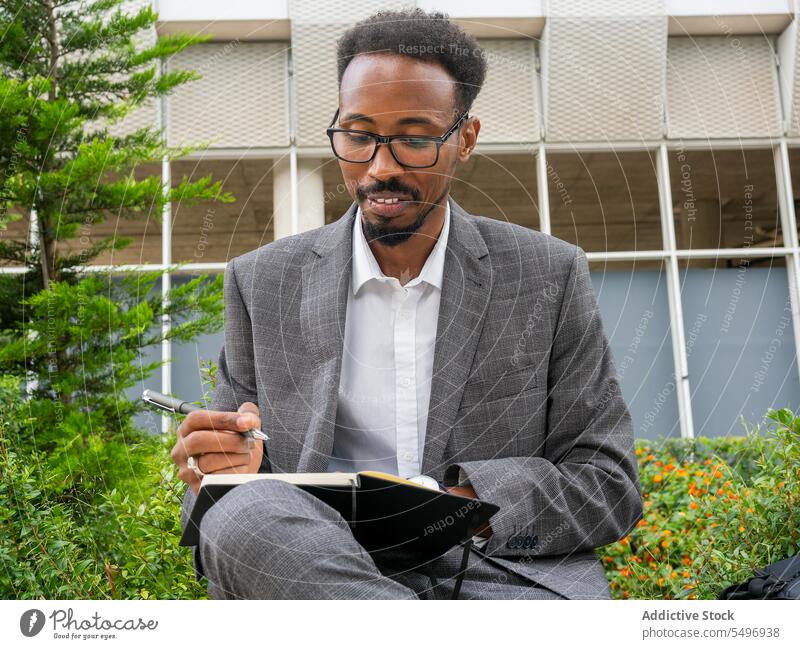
(323, 307)
(466, 288)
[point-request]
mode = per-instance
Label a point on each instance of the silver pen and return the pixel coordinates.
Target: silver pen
(163, 402)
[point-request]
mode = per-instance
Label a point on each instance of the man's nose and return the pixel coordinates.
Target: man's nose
(384, 164)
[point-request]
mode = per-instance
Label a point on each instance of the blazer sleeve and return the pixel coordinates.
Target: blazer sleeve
(235, 381)
(584, 491)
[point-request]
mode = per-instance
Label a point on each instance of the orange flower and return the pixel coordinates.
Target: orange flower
(625, 572)
(665, 544)
(686, 561)
(707, 461)
(749, 510)
(669, 467)
(741, 528)
(693, 505)
(651, 457)
(720, 492)
(699, 474)
(647, 503)
(657, 478)
(659, 463)
(717, 474)
(666, 532)
(681, 473)
(714, 524)
(685, 573)
(641, 523)
(660, 581)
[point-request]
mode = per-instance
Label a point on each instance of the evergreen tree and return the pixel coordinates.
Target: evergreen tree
(70, 72)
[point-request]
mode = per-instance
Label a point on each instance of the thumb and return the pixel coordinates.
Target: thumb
(251, 416)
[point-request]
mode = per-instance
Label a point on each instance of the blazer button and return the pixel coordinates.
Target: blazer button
(530, 542)
(513, 543)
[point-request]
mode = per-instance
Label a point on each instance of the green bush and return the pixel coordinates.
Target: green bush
(123, 543)
(714, 511)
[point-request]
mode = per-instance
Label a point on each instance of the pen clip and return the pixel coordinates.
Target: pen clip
(146, 398)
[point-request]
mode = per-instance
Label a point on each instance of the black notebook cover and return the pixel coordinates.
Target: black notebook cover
(393, 521)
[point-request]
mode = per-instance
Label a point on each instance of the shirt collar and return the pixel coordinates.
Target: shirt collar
(365, 266)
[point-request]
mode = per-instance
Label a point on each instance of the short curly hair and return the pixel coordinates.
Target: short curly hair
(418, 34)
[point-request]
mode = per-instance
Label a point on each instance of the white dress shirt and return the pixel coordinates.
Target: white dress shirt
(387, 364)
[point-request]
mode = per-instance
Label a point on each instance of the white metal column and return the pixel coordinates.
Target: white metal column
(295, 207)
(680, 360)
(166, 259)
(544, 193)
(789, 226)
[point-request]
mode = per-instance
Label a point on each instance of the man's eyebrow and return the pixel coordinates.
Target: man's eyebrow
(403, 121)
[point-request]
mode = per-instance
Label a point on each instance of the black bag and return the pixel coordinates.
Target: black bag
(781, 580)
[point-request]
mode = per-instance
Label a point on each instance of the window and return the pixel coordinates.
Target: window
(605, 201)
(213, 231)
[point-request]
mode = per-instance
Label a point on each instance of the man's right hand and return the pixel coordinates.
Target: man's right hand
(215, 440)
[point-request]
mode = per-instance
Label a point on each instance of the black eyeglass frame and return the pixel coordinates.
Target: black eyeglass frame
(387, 139)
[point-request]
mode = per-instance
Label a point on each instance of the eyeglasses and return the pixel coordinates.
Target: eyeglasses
(416, 151)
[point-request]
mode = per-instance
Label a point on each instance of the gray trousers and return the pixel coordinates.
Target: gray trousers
(269, 539)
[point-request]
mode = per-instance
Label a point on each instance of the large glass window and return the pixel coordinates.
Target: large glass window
(213, 231)
(725, 199)
(739, 343)
(635, 312)
(499, 186)
(605, 201)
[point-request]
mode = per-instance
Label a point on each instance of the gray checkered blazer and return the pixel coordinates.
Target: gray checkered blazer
(525, 404)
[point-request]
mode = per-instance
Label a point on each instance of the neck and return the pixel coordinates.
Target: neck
(405, 260)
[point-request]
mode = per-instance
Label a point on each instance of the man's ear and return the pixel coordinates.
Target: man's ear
(469, 138)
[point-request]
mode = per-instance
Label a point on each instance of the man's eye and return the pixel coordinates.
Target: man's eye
(416, 143)
(358, 138)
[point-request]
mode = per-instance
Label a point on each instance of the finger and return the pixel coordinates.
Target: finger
(216, 420)
(209, 441)
(212, 462)
(178, 453)
(189, 477)
(243, 468)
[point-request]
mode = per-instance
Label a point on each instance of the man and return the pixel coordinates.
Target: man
(412, 337)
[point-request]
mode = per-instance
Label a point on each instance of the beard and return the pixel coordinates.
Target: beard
(384, 233)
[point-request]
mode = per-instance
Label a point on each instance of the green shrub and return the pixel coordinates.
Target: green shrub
(58, 545)
(714, 510)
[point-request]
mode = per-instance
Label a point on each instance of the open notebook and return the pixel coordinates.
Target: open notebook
(394, 519)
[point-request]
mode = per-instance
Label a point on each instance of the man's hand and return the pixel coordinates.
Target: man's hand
(214, 439)
(469, 492)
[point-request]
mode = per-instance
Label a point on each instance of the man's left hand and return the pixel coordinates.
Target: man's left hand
(469, 492)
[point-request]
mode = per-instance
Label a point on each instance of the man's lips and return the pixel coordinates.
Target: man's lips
(390, 208)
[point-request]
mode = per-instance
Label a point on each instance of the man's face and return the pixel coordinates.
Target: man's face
(397, 95)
